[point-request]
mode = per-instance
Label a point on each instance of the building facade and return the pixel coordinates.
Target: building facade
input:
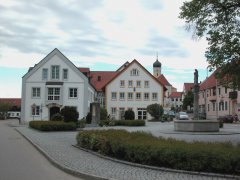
(50, 85)
(216, 100)
(133, 87)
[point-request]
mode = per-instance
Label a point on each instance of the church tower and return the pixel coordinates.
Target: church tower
(157, 68)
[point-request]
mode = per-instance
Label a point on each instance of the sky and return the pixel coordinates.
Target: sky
(99, 34)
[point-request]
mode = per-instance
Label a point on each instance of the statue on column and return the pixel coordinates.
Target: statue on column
(196, 95)
(196, 77)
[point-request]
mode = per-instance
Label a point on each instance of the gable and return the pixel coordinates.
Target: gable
(143, 74)
(54, 58)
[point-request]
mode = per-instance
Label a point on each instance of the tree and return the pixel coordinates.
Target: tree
(70, 114)
(4, 108)
(103, 114)
(188, 100)
(155, 110)
(219, 21)
(129, 115)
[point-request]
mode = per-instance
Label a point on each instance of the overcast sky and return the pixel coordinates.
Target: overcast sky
(100, 34)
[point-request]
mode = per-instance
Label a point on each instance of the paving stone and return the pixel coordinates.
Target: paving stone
(58, 145)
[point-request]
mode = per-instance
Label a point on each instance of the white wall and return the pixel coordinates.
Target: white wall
(114, 86)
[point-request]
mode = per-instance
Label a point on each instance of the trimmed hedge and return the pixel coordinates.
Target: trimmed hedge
(129, 123)
(52, 125)
(144, 148)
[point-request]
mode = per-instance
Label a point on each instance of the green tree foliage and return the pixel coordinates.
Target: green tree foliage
(188, 100)
(103, 114)
(4, 108)
(70, 114)
(129, 115)
(57, 117)
(219, 21)
(155, 110)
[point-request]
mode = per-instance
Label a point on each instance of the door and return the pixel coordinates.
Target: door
(142, 113)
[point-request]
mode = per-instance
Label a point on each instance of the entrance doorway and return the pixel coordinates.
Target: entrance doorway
(54, 110)
(142, 113)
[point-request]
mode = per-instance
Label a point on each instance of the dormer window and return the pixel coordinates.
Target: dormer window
(134, 72)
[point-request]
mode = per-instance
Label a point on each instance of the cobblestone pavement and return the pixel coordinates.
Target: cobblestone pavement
(58, 146)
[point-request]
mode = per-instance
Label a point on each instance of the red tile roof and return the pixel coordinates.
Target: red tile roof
(13, 101)
(210, 82)
(176, 95)
(135, 61)
(163, 80)
(100, 78)
(82, 69)
(188, 86)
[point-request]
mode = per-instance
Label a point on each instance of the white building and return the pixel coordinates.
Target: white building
(133, 87)
(50, 85)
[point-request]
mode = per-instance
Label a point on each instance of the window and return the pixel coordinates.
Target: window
(73, 92)
(121, 95)
(35, 110)
(176, 99)
(208, 107)
(99, 78)
(130, 83)
(134, 72)
(138, 84)
(172, 99)
(65, 73)
(53, 94)
(44, 74)
(138, 96)
(214, 104)
(146, 96)
(122, 83)
(36, 92)
(113, 111)
(121, 113)
(225, 90)
(146, 84)
(226, 105)
(114, 95)
(219, 91)
(130, 96)
(55, 72)
(154, 96)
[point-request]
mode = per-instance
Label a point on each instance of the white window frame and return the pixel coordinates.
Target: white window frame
(35, 110)
(44, 74)
(36, 92)
(146, 96)
(55, 96)
(65, 74)
(138, 96)
(114, 96)
(146, 84)
(138, 83)
(55, 72)
(73, 93)
(154, 96)
(130, 98)
(121, 96)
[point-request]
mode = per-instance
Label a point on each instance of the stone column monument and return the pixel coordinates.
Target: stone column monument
(95, 110)
(196, 95)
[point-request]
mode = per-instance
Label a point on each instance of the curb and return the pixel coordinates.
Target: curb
(58, 165)
(227, 176)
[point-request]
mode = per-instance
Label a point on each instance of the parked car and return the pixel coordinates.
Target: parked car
(228, 118)
(182, 115)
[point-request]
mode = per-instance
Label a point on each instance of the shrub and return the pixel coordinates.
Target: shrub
(155, 110)
(89, 118)
(144, 148)
(107, 122)
(129, 123)
(52, 125)
(129, 114)
(103, 114)
(57, 117)
(81, 123)
(70, 114)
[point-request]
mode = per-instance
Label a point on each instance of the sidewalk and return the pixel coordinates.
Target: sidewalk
(57, 147)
